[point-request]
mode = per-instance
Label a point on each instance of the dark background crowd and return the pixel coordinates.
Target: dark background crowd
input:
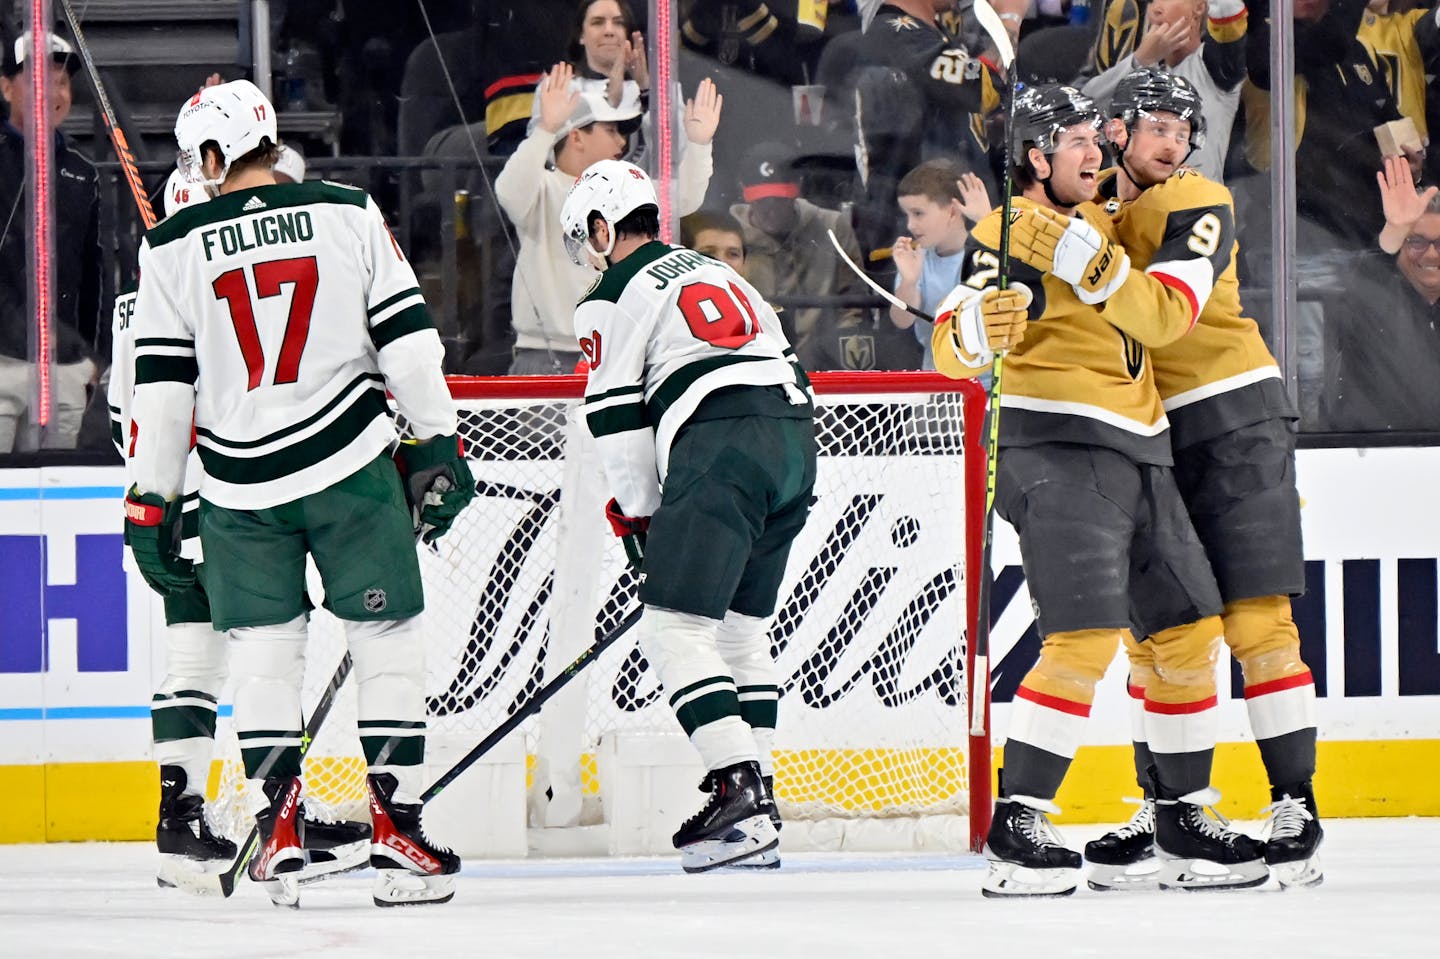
(879, 122)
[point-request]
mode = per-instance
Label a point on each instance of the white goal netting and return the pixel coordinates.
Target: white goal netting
(869, 633)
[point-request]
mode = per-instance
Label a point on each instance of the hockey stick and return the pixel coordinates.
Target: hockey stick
(223, 883)
(890, 297)
(112, 126)
(993, 26)
(531, 706)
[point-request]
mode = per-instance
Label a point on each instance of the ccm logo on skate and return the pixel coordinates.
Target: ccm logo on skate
(412, 853)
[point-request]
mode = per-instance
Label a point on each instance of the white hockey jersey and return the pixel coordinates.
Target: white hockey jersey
(663, 329)
(279, 316)
(117, 395)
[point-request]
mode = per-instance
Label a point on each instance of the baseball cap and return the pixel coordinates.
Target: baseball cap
(766, 171)
(594, 107)
(60, 50)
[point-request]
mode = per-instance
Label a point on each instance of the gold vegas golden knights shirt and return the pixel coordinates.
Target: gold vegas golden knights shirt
(1082, 374)
(1220, 376)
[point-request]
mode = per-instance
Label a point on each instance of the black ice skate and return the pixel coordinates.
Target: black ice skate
(1125, 858)
(770, 858)
(332, 846)
(413, 869)
(1199, 851)
(1292, 836)
(183, 829)
(1027, 855)
(734, 825)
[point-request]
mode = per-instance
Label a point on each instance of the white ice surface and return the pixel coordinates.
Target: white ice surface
(1381, 897)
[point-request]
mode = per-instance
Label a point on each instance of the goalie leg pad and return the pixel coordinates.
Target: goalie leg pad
(390, 694)
(698, 684)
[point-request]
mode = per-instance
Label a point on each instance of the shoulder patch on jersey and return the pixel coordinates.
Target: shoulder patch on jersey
(591, 288)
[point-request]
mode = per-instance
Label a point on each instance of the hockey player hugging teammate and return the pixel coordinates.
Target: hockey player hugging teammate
(705, 426)
(299, 334)
(1084, 477)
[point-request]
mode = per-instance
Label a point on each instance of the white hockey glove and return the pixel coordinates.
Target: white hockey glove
(1071, 249)
(986, 321)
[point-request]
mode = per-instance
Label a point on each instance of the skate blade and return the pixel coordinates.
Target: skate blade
(1197, 874)
(1008, 880)
(284, 891)
(321, 864)
(1142, 876)
(770, 859)
(746, 839)
(399, 887)
(1298, 875)
(198, 876)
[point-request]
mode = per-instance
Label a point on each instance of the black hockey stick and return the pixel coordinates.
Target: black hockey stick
(531, 706)
(112, 126)
(223, 883)
(980, 681)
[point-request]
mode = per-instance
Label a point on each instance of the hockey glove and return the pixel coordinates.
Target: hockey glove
(632, 531)
(437, 481)
(152, 528)
(985, 322)
(1073, 250)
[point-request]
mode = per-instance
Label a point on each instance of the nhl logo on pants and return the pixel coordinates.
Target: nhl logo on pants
(374, 600)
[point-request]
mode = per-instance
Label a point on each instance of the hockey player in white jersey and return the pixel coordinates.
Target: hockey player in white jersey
(705, 426)
(274, 319)
(183, 709)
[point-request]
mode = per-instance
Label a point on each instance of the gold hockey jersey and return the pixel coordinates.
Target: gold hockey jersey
(1081, 374)
(1221, 375)
(1406, 47)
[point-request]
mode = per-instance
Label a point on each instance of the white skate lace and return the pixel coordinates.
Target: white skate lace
(1213, 825)
(1287, 819)
(1037, 828)
(1140, 824)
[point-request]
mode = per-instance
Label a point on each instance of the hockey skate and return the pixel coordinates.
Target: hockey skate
(183, 829)
(413, 870)
(279, 854)
(1125, 858)
(332, 846)
(770, 858)
(1027, 855)
(1292, 836)
(734, 825)
(1196, 850)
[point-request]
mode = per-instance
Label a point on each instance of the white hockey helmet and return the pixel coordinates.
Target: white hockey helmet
(180, 193)
(235, 116)
(611, 188)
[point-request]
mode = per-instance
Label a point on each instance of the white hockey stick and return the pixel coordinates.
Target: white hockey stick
(890, 297)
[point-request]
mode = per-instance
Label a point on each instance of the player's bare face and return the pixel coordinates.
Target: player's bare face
(1159, 143)
(1075, 164)
(722, 245)
(603, 34)
(1419, 258)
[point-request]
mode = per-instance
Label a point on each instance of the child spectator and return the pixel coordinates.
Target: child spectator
(937, 200)
(716, 234)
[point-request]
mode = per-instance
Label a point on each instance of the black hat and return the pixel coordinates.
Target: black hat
(60, 50)
(767, 170)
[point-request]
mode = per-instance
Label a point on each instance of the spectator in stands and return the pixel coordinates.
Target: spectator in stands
(607, 52)
(1386, 325)
(776, 39)
(574, 131)
(718, 235)
(289, 165)
(1203, 43)
(76, 262)
(937, 198)
(923, 94)
(1344, 98)
(788, 254)
(1408, 42)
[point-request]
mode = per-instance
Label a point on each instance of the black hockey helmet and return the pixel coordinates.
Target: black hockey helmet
(1042, 111)
(1149, 89)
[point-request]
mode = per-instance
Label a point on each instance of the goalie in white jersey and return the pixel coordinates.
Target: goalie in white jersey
(275, 318)
(705, 426)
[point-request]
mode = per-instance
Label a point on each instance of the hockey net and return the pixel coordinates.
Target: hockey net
(869, 634)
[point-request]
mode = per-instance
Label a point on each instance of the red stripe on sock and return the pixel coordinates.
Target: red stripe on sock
(1280, 685)
(1181, 709)
(1136, 692)
(1053, 702)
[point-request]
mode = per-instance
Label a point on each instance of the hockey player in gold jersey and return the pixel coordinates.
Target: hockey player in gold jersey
(1084, 477)
(1233, 435)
